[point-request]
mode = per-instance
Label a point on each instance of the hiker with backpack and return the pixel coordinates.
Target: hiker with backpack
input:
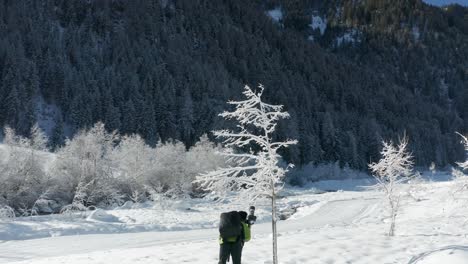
(234, 231)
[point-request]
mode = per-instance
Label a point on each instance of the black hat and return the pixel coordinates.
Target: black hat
(243, 215)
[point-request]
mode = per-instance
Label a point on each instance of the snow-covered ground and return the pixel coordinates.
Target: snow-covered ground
(343, 226)
(446, 2)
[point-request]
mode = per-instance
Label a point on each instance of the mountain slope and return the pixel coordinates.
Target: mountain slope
(165, 69)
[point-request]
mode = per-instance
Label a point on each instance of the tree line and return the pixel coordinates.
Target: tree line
(163, 70)
(97, 168)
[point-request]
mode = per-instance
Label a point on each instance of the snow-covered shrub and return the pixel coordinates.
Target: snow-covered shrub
(45, 205)
(464, 165)
(174, 168)
(6, 212)
(157, 195)
(84, 168)
(459, 177)
(22, 173)
(202, 157)
(133, 160)
(170, 169)
(38, 139)
(393, 168)
(97, 168)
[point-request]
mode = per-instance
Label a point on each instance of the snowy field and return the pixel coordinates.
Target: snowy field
(346, 226)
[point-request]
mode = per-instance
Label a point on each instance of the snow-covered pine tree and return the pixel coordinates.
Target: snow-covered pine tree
(9, 137)
(395, 166)
(254, 174)
(58, 138)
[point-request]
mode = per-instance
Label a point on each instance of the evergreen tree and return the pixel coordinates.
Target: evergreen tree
(58, 137)
(164, 70)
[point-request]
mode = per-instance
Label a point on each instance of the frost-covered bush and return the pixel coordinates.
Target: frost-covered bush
(134, 160)
(204, 156)
(6, 212)
(394, 167)
(170, 169)
(460, 178)
(175, 168)
(22, 173)
(97, 168)
(464, 165)
(84, 168)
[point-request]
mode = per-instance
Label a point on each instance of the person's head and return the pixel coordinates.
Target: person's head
(252, 210)
(243, 216)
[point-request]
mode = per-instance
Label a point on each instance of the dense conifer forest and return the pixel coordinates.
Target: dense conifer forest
(165, 68)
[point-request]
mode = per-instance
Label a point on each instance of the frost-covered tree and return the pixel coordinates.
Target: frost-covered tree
(464, 165)
(173, 168)
(170, 170)
(460, 178)
(204, 156)
(395, 166)
(9, 136)
(255, 173)
(22, 174)
(134, 160)
(84, 168)
(38, 139)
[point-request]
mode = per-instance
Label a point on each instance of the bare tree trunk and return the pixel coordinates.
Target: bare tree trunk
(394, 205)
(273, 224)
(391, 232)
(392, 218)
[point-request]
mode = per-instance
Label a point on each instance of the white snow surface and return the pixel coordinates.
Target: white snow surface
(449, 255)
(446, 2)
(319, 23)
(275, 14)
(346, 225)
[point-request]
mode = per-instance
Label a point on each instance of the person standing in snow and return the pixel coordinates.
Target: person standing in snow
(232, 246)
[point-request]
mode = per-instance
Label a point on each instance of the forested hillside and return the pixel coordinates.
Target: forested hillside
(164, 69)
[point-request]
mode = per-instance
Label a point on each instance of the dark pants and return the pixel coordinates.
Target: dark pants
(234, 249)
